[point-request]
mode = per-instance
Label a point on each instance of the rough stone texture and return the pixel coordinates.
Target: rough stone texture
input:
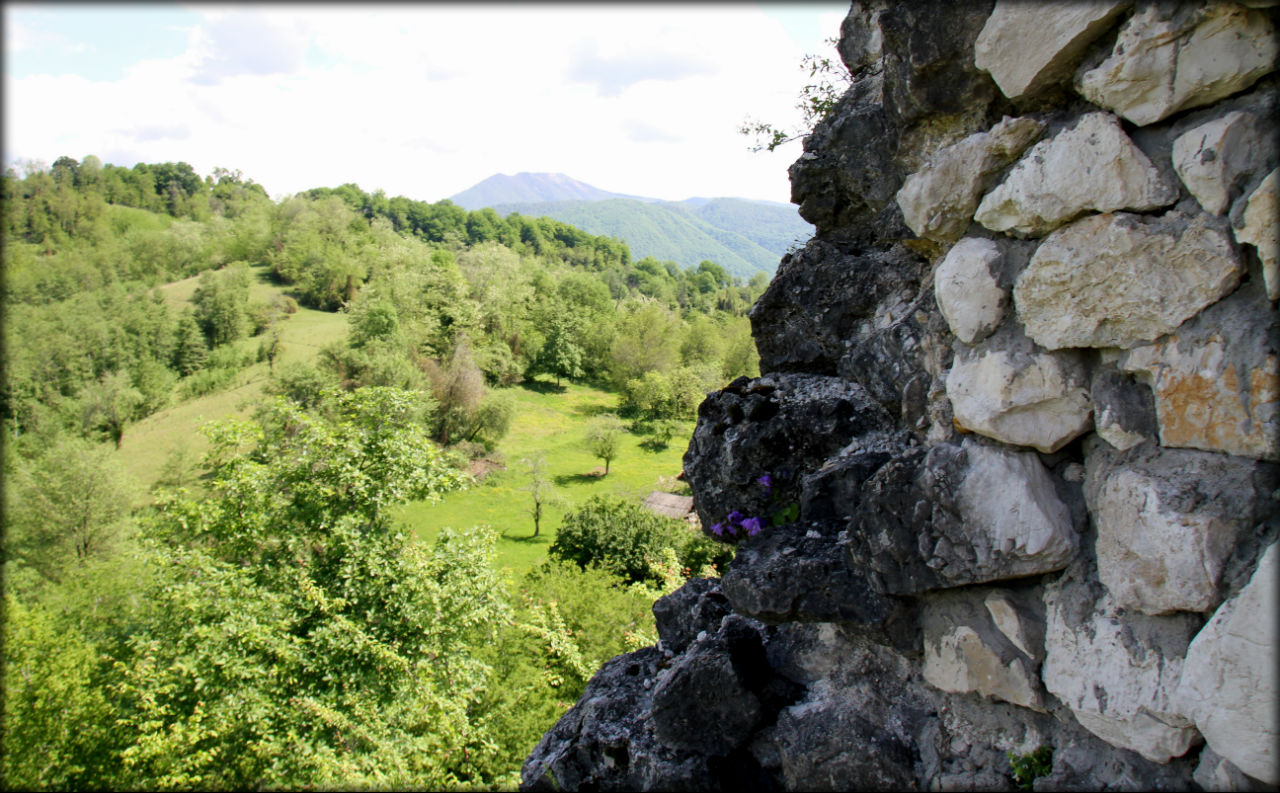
(968, 291)
(1259, 230)
(1217, 380)
(855, 159)
(1026, 50)
(986, 641)
(784, 425)
(1168, 522)
(1215, 772)
(1124, 412)
(1091, 166)
(1118, 676)
(1170, 57)
(1215, 159)
(960, 514)
(811, 652)
(938, 201)
(1228, 682)
(1006, 389)
(812, 319)
(1118, 279)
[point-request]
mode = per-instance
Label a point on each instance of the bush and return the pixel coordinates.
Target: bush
(619, 535)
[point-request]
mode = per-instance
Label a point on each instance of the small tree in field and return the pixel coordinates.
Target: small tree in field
(540, 488)
(603, 437)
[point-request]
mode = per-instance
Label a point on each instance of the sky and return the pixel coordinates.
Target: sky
(421, 100)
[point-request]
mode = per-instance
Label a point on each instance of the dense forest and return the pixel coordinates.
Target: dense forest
(258, 619)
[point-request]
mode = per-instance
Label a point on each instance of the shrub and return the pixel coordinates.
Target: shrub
(617, 534)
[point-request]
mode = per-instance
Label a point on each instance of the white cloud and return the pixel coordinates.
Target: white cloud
(425, 101)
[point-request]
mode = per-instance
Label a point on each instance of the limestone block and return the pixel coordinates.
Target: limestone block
(968, 289)
(1024, 49)
(1259, 230)
(1124, 412)
(1020, 395)
(1168, 521)
(1164, 63)
(938, 200)
(1214, 159)
(1009, 497)
(1118, 673)
(1216, 381)
(1228, 682)
(1092, 165)
(1217, 773)
(1118, 279)
(954, 515)
(967, 650)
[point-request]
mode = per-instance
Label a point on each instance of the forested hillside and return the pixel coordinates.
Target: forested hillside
(261, 619)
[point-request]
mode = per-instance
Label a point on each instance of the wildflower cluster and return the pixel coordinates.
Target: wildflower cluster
(737, 526)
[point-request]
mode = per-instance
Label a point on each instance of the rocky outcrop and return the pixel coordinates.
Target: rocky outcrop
(1013, 450)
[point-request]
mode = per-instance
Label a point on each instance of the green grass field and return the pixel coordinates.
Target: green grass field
(151, 442)
(554, 422)
(547, 419)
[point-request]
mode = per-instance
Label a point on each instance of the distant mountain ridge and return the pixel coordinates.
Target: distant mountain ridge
(744, 236)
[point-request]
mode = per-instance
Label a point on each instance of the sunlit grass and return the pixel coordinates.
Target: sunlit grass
(554, 423)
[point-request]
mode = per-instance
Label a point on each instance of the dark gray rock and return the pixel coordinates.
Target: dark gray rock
(921, 92)
(942, 516)
(607, 741)
(783, 425)
(1124, 411)
(826, 295)
(799, 572)
(695, 607)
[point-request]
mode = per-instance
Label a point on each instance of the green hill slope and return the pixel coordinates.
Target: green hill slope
(744, 237)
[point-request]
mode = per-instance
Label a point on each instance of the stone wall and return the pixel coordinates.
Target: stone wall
(1019, 417)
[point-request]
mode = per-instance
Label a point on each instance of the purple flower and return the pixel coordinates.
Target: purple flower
(734, 517)
(753, 526)
(766, 482)
(717, 529)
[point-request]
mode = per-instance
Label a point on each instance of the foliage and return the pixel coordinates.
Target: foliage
(1028, 767)
(565, 622)
(297, 638)
(59, 730)
(68, 505)
(817, 99)
(603, 434)
(619, 535)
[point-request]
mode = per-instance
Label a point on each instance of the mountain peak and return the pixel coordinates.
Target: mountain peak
(529, 187)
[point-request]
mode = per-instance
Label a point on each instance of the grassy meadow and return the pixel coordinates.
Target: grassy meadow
(548, 419)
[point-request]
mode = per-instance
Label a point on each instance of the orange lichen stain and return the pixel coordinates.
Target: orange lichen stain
(960, 428)
(1203, 412)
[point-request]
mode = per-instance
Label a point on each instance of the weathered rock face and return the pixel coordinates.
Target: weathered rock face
(1118, 677)
(1026, 50)
(938, 201)
(1228, 684)
(1090, 166)
(1020, 486)
(1216, 380)
(1259, 230)
(968, 290)
(1168, 522)
(1007, 389)
(1118, 279)
(1171, 57)
(1215, 158)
